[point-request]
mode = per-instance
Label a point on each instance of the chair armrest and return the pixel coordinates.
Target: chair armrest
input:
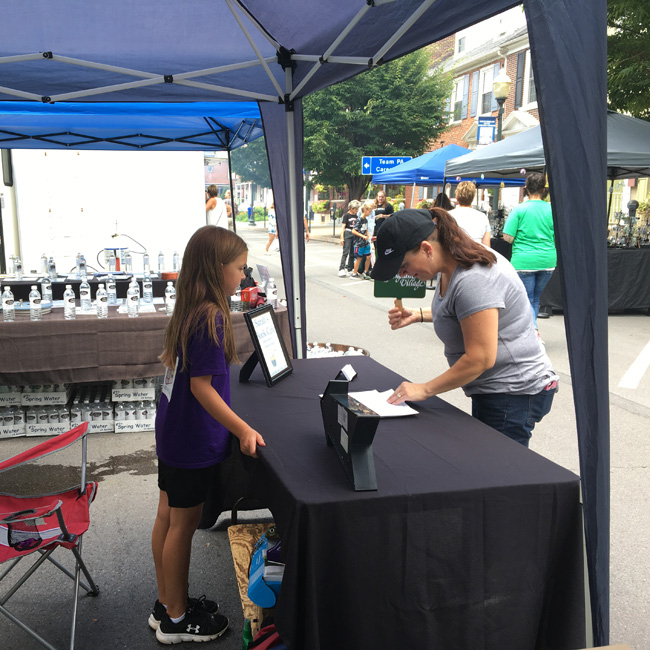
(32, 513)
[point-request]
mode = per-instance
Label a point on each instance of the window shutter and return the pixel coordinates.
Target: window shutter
(472, 111)
(448, 108)
(465, 95)
(519, 80)
(495, 72)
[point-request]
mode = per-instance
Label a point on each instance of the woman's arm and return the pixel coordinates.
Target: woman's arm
(398, 318)
(214, 404)
(480, 337)
(210, 204)
(486, 241)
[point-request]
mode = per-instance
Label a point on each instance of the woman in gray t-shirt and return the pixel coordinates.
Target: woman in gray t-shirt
(481, 313)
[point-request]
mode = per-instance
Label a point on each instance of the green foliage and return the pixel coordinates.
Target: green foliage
(394, 109)
(628, 56)
(423, 205)
(258, 212)
(251, 163)
(320, 206)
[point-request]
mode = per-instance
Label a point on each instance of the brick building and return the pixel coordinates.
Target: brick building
(474, 57)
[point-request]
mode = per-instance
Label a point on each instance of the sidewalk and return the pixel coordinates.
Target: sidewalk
(317, 231)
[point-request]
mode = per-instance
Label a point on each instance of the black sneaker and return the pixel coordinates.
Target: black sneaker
(158, 609)
(198, 625)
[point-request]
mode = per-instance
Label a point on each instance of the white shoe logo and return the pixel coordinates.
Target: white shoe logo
(193, 631)
(388, 251)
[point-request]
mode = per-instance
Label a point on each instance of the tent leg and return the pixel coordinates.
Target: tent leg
(296, 227)
(412, 194)
(232, 194)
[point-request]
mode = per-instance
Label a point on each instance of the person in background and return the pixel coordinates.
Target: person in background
(362, 242)
(383, 210)
(474, 222)
(215, 209)
(272, 228)
(227, 200)
(529, 228)
(347, 239)
(194, 423)
(479, 311)
(442, 201)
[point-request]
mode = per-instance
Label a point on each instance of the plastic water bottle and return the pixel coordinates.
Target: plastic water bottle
(84, 295)
(111, 262)
(102, 302)
(147, 288)
(170, 298)
(75, 414)
(44, 264)
(161, 262)
(176, 262)
(35, 309)
(120, 412)
(64, 415)
(235, 301)
(51, 269)
(30, 415)
(18, 269)
(146, 263)
(128, 262)
(133, 300)
(272, 293)
(19, 415)
(111, 290)
(46, 289)
(8, 306)
(69, 306)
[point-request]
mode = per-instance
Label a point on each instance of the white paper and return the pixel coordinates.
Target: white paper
(376, 401)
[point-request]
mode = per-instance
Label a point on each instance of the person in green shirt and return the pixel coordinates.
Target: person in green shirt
(529, 228)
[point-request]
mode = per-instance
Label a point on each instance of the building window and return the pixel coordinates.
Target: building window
(461, 45)
(457, 101)
(530, 92)
(485, 90)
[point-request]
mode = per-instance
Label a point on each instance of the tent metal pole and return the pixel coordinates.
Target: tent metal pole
(251, 42)
(402, 30)
(232, 194)
(293, 211)
(337, 41)
(412, 195)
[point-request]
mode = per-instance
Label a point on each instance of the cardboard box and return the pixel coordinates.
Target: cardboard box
(12, 431)
(124, 426)
(133, 394)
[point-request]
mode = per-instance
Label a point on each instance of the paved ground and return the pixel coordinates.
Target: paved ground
(339, 310)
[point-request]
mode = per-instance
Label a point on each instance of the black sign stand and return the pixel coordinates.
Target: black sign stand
(350, 428)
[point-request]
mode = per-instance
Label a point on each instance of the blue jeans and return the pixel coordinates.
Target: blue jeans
(513, 415)
(534, 281)
(347, 258)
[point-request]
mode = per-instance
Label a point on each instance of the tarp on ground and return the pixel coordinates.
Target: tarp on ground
(429, 169)
(628, 152)
(278, 51)
(165, 126)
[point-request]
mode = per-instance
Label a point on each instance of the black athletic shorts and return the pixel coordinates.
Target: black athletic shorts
(185, 488)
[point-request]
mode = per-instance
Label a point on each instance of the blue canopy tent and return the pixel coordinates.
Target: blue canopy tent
(202, 126)
(278, 52)
(429, 169)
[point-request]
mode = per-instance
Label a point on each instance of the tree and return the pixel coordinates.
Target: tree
(628, 56)
(251, 163)
(394, 109)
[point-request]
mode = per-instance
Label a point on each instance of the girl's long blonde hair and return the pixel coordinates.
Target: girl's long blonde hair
(200, 293)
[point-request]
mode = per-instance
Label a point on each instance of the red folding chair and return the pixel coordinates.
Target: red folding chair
(41, 524)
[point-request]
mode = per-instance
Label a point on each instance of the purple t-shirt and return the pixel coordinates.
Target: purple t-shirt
(187, 435)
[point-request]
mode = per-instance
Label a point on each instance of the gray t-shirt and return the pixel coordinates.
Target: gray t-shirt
(522, 366)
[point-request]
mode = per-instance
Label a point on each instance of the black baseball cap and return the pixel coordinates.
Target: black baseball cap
(403, 231)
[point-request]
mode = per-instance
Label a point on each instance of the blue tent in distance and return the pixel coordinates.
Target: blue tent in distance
(429, 169)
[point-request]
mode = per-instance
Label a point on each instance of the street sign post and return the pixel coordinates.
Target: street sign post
(377, 164)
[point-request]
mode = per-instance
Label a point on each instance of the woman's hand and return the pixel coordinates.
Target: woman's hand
(408, 391)
(402, 317)
(249, 440)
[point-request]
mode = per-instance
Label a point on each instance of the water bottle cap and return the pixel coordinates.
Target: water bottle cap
(34, 287)
(68, 286)
(100, 286)
(170, 284)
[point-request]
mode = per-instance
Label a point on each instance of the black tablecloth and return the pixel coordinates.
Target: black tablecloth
(628, 275)
(470, 541)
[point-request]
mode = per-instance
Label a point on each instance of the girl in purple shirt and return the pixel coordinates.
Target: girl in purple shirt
(193, 425)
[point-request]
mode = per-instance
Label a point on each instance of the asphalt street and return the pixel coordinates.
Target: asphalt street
(340, 310)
